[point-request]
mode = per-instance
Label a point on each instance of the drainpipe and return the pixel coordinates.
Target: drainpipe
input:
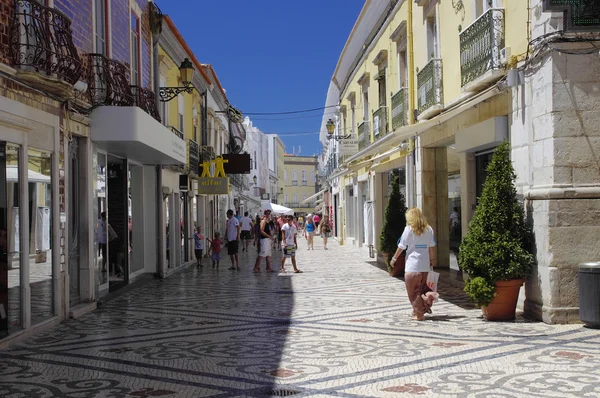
(411, 108)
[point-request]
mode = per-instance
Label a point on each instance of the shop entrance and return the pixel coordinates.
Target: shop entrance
(117, 220)
(454, 206)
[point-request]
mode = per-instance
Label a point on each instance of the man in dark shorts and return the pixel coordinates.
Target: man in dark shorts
(232, 233)
(246, 224)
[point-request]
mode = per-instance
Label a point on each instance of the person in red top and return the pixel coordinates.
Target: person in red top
(215, 249)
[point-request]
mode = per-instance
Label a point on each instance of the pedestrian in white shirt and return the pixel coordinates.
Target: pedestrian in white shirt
(289, 243)
(419, 242)
(232, 232)
(246, 223)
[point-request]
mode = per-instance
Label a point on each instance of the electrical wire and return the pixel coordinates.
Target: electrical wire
(289, 112)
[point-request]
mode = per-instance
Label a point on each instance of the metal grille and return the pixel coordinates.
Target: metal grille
(146, 100)
(380, 127)
(480, 46)
(108, 82)
(430, 85)
(364, 135)
(40, 40)
(399, 109)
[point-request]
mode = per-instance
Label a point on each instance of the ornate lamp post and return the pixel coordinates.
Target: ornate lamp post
(330, 130)
(186, 71)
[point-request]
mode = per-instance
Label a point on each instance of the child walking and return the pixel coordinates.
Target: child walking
(198, 245)
(215, 249)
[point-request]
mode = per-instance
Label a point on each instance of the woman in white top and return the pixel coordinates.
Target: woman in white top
(419, 242)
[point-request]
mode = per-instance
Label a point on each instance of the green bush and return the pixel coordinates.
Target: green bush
(394, 221)
(497, 246)
(479, 290)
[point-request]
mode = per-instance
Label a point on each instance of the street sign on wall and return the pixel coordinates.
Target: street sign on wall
(193, 157)
(213, 186)
(348, 146)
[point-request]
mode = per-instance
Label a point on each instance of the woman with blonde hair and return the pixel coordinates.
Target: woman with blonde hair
(325, 230)
(419, 242)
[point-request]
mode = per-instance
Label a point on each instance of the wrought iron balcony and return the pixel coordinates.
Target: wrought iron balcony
(176, 131)
(364, 135)
(108, 82)
(146, 100)
(40, 40)
(380, 122)
(399, 109)
(207, 153)
(429, 85)
(237, 181)
(480, 47)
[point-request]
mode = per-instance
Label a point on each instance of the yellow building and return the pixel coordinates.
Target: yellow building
(299, 182)
(429, 88)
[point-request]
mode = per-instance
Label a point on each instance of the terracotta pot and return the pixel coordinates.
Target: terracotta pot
(504, 305)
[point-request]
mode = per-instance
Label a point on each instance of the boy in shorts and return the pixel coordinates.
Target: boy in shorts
(289, 243)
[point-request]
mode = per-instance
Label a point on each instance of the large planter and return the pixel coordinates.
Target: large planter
(504, 304)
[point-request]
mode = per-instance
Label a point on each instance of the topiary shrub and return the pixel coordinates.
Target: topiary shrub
(498, 242)
(394, 221)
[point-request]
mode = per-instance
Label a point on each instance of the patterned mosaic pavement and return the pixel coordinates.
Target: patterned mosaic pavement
(341, 328)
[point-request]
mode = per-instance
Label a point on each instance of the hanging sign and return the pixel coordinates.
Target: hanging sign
(348, 146)
(183, 183)
(216, 183)
(193, 157)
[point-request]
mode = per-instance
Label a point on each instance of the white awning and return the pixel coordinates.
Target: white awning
(313, 196)
(12, 175)
(249, 199)
(129, 132)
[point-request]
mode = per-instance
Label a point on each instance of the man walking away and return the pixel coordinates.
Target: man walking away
(246, 228)
(289, 244)
(232, 232)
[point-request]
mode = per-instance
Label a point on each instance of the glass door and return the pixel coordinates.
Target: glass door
(3, 244)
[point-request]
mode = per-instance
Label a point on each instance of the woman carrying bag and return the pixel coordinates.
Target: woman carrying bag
(419, 242)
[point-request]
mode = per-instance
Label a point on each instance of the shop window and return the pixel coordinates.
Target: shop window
(101, 26)
(134, 46)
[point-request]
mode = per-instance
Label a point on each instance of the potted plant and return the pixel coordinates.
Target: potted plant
(393, 226)
(495, 252)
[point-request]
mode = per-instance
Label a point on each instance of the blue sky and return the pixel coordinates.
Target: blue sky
(270, 55)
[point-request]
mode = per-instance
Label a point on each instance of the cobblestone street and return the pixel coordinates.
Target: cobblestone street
(341, 328)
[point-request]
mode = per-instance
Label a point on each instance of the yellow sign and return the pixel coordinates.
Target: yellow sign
(213, 184)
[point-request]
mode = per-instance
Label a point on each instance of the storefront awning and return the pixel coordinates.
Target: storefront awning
(129, 132)
(12, 175)
(249, 199)
(313, 196)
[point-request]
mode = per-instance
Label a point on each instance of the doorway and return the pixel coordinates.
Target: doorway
(74, 222)
(117, 221)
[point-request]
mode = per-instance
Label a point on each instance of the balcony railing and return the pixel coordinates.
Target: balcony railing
(399, 109)
(146, 100)
(295, 204)
(176, 131)
(380, 122)
(294, 183)
(40, 40)
(480, 46)
(108, 82)
(364, 135)
(429, 82)
(304, 183)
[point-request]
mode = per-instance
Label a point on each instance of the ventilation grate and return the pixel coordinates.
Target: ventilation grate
(284, 392)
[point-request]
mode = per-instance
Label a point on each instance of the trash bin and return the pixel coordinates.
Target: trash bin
(589, 294)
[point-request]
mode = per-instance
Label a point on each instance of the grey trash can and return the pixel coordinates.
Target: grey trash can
(589, 294)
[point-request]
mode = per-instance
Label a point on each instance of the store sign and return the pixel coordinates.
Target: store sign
(579, 15)
(237, 163)
(183, 182)
(193, 157)
(349, 146)
(216, 183)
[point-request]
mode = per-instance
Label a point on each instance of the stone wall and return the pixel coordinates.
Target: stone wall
(555, 137)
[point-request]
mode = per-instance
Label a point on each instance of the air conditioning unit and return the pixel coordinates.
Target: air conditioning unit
(504, 55)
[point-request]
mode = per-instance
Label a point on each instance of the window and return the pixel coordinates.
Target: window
(314, 176)
(304, 175)
(295, 201)
(402, 69)
(134, 46)
(181, 111)
(365, 103)
(432, 39)
(164, 106)
(382, 88)
(294, 176)
(254, 160)
(344, 124)
(285, 199)
(101, 27)
(481, 6)
(285, 177)
(353, 118)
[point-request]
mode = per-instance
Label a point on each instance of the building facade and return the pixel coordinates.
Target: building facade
(91, 194)
(429, 88)
(300, 182)
(276, 167)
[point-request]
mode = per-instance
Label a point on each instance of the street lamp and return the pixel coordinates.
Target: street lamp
(254, 179)
(331, 128)
(186, 72)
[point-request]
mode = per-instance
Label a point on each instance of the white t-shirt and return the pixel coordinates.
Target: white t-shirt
(232, 225)
(417, 249)
(246, 223)
(290, 233)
